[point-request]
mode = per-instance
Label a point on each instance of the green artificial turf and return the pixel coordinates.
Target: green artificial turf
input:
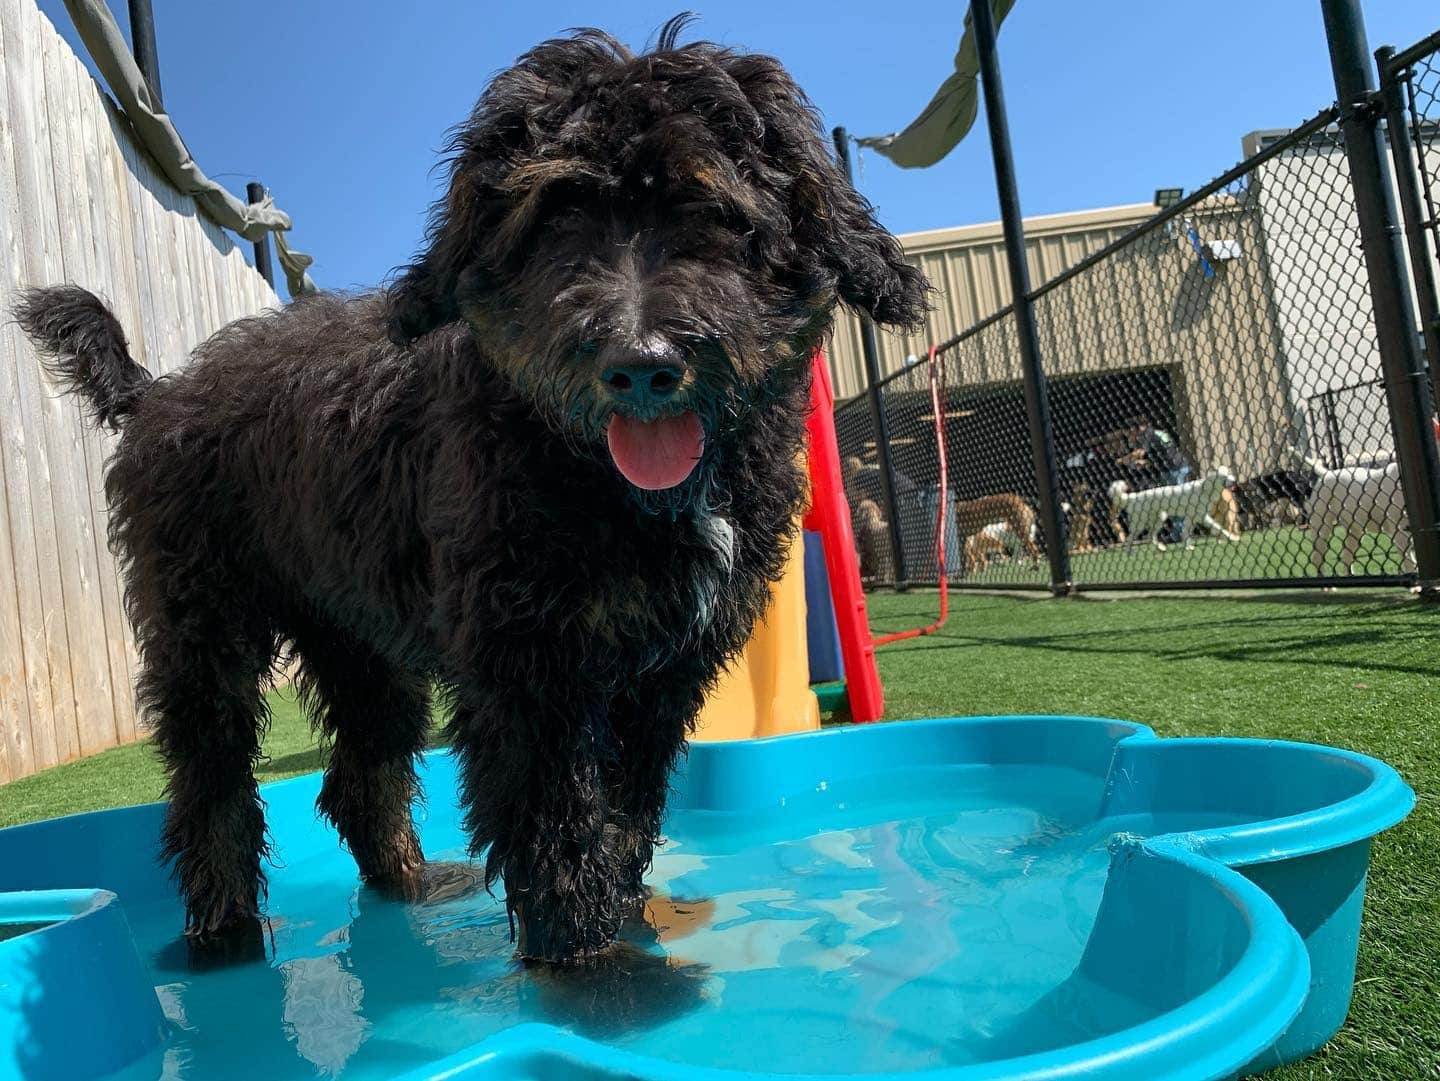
(1357, 671)
(132, 774)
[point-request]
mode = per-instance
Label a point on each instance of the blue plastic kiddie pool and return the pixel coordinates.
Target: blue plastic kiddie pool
(1014, 897)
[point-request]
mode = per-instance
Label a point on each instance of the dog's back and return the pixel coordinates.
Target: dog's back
(1358, 496)
(1006, 509)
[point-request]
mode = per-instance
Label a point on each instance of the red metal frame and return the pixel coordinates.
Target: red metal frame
(937, 406)
(829, 515)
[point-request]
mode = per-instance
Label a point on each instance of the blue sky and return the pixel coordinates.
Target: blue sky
(341, 107)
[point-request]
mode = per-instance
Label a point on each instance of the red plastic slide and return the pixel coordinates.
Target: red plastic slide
(829, 515)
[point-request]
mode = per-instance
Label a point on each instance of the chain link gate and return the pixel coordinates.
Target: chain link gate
(1410, 86)
(1221, 413)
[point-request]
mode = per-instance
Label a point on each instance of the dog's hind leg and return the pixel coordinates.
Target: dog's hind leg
(1405, 546)
(1353, 536)
(203, 662)
(1156, 530)
(376, 716)
(1319, 545)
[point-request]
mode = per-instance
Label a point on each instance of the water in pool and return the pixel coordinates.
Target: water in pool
(920, 919)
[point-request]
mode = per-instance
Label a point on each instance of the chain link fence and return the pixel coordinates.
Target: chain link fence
(1414, 111)
(1219, 412)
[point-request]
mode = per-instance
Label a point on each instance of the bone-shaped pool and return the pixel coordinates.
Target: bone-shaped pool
(976, 898)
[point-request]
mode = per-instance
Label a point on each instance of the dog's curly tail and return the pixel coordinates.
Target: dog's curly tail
(84, 349)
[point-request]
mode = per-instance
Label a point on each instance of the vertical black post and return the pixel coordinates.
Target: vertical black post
(254, 192)
(1336, 456)
(142, 44)
(1406, 385)
(871, 349)
(1037, 397)
(1412, 207)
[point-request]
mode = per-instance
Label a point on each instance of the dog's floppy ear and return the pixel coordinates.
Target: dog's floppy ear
(832, 223)
(839, 226)
(422, 298)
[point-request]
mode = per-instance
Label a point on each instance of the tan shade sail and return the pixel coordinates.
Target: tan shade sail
(951, 112)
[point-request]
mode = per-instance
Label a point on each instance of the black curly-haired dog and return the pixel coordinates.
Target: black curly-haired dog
(551, 469)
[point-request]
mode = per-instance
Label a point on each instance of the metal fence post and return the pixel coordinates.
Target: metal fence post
(1406, 384)
(142, 44)
(1403, 150)
(1037, 398)
(871, 348)
(1332, 431)
(254, 192)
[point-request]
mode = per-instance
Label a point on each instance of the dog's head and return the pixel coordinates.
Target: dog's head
(649, 247)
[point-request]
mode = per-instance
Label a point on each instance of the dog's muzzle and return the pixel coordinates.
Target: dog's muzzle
(654, 444)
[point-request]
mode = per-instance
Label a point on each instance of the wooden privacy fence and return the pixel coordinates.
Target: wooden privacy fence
(80, 202)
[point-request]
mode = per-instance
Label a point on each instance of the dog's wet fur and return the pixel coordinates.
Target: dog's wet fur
(412, 489)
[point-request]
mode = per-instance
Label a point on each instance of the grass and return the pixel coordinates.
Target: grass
(131, 774)
(1357, 671)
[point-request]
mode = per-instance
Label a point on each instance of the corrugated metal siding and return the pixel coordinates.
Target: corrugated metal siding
(966, 265)
(1145, 306)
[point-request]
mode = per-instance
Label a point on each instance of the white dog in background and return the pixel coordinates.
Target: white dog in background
(1011, 541)
(1149, 508)
(1359, 499)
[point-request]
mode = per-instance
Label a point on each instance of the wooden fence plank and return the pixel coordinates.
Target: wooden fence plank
(16, 537)
(84, 600)
(90, 163)
(80, 202)
(39, 263)
(81, 609)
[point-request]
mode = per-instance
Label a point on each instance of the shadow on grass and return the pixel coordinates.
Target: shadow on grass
(312, 759)
(306, 761)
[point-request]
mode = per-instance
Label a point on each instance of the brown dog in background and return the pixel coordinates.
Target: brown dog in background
(1007, 508)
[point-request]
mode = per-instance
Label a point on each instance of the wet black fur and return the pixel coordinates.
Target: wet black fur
(412, 486)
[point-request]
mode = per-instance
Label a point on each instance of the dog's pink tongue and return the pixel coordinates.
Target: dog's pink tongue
(656, 454)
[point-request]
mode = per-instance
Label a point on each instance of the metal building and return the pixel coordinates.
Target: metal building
(966, 265)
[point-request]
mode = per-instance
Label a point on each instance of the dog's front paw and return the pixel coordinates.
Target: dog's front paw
(633, 897)
(231, 939)
(554, 938)
(565, 911)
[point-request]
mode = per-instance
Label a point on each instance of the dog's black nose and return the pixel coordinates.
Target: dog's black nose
(642, 384)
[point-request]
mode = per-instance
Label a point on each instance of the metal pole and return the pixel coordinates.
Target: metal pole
(1402, 149)
(142, 44)
(1332, 431)
(1406, 384)
(871, 349)
(1037, 398)
(254, 192)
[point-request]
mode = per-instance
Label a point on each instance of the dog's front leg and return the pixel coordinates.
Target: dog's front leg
(651, 721)
(1210, 523)
(533, 764)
